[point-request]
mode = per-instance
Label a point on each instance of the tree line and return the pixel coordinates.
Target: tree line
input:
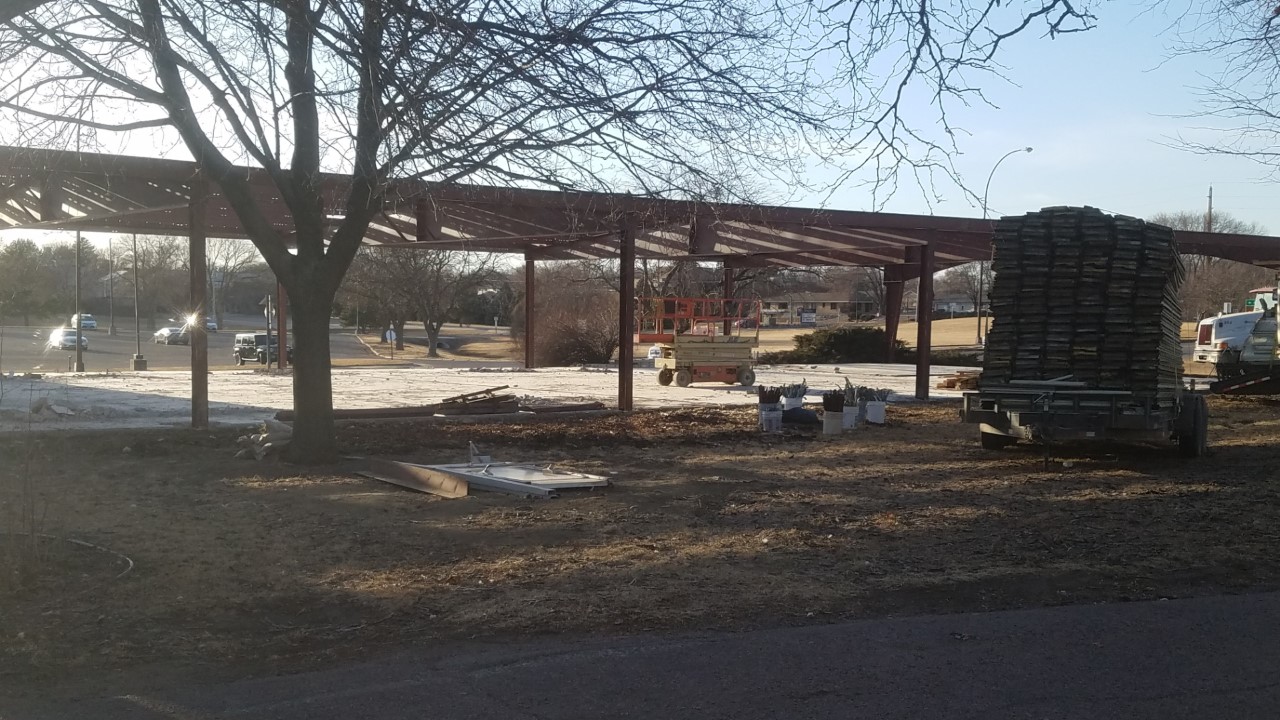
(38, 280)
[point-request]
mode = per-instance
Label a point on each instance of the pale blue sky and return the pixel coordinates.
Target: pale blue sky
(1097, 108)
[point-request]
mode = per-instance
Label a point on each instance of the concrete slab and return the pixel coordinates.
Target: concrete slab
(243, 397)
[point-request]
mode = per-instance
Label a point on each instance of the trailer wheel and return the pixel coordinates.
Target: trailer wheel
(746, 376)
(995, 441)
(683, 378)
(664, 376)
(1194, 442)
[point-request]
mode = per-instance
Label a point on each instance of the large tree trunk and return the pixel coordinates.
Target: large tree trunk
(433, 338)
(313, 430)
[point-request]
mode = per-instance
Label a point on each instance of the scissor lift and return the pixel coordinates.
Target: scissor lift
(701, 339)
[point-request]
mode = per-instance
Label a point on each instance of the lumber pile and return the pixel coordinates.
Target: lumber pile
(1089, 296)
(962, 380)
(480, 402)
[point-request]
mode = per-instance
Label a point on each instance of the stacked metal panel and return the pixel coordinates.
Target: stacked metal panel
(1081, 293)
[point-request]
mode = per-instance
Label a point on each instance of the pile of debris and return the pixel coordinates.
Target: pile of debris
(962, 380)
(1082, 294)
(481, 473)
(490, 401)
(273, 438)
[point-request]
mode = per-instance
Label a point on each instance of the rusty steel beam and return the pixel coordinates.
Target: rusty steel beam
(530, 316)
(892, 315)
(924, 320)
(626, 313)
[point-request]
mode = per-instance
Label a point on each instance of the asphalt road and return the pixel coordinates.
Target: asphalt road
(1204, 658)
(24, 349)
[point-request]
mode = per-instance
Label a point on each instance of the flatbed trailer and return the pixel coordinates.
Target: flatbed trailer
(1056, 411)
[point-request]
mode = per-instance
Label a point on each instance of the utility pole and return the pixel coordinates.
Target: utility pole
(1208, 217)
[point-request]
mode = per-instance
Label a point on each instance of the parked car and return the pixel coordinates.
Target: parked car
(210, 325)
(86, 322)
(747, 323)
(253, 346)
(171, 336)
(65, 339)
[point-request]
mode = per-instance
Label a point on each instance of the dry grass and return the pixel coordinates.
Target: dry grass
(709, 524)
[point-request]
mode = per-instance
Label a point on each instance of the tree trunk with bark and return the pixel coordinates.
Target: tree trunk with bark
(313, 430)
(433, 338)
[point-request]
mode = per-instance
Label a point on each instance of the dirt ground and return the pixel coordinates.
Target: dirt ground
(247, 567)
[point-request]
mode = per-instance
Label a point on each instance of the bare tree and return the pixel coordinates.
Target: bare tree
(1211, 281)
(628, 94)
(156, 269)
(227, 261)
(429, 286)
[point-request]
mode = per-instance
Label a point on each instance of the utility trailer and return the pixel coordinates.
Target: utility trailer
(1056, 411)
(1085, 343)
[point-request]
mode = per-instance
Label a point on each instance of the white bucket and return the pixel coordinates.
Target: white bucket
(770, 418)
(876, 412)
(792, 403)
(850, 419)
(832, 423)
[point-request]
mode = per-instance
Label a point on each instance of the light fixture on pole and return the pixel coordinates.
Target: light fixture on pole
(982, 271)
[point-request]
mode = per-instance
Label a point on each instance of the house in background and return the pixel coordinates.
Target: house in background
(817, 307)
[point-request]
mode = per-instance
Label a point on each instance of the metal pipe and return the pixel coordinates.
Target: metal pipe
(924, 321)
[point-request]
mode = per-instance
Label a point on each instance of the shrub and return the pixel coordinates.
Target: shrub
(842, 345)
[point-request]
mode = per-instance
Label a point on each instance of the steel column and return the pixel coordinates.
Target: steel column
(626, 312)
(892, 315)
(196, 231)
(530, 271)
(728, 295)
(924, 321)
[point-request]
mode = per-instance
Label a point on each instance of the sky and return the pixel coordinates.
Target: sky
(1100, 110)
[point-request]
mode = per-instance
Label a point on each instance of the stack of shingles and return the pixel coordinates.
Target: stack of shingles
(1088, 295)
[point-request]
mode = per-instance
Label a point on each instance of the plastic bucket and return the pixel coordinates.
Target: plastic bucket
(792, 403)
(770, 417)
(876, 412)
(851, 416)
(832, 423)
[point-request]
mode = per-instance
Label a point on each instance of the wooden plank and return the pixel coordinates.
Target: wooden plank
(477, 393)
(417, 477)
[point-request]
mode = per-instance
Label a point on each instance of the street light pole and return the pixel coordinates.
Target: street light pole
(138, 363)
(79, 366)
(111, 287)
(982, 271)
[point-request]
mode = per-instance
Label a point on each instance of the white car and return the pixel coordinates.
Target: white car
(210, 325)
(65, 339)
(171, 336)
(86, 321)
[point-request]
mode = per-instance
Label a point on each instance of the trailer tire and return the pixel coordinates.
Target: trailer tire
(746, 376)
(683, 378)
(664, 376)
(995, 441)
(1194, 442)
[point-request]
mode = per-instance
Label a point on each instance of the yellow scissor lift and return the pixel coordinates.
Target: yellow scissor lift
(701, 339)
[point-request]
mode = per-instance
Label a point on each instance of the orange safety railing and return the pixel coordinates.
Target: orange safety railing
(662, 319)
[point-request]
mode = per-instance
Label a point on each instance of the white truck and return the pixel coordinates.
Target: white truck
(1243, 338)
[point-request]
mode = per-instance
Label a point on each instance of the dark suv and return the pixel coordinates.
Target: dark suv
(253, 347)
